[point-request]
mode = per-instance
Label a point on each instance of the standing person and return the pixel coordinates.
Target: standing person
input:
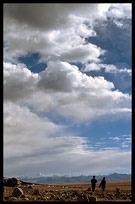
(93, 183)
(103, 184)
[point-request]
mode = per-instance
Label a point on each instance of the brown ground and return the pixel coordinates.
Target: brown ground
(71, 192)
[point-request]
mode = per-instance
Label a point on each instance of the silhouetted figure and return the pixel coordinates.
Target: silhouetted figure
(93, 183)
(103, 184)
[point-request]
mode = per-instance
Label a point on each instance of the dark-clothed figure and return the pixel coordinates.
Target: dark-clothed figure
(93, 183)
(103, 184)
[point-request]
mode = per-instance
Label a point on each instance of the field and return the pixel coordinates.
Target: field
(115, 191)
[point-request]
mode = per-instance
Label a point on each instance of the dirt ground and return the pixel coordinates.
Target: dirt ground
(115, 191)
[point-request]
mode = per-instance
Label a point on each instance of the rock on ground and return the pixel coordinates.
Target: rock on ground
(36, 192)
(17, 192)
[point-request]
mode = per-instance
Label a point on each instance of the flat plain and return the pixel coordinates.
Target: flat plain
(115, 191)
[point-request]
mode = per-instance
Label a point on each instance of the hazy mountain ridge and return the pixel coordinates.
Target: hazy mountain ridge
(40, 178)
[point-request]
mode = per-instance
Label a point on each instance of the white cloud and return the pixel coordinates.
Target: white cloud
(108, 68)
(66, 44)
(61, 88)
(118, 23)
(83, 53)
(121, 10)
(103, 9)
(91, 67)
(124, 145)
(60, 36)
(19, 82)
(33, 144)
(61, 76)
(38, 15)
(115, 138)
(78, 96)
(24, 131)
(127, 141)
(84, 31)
(113, 69)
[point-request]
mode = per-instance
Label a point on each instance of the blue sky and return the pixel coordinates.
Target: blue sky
(67, 89)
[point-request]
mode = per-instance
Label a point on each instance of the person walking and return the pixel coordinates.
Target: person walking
(93, 183)
(103, 184)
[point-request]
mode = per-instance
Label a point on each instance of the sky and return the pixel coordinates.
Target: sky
(67, 88)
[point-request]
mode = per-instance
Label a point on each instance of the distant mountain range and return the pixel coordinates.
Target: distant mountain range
(40, 178)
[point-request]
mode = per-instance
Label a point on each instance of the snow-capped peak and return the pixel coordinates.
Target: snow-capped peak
(39, 175)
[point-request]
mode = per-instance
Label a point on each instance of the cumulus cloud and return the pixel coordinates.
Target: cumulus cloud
(38, 15)
(83, 53)
(66, 27)
(61, 76)
(62, 89)
(19, 82)
(31, 139)
(66, 44)
(118, 11)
